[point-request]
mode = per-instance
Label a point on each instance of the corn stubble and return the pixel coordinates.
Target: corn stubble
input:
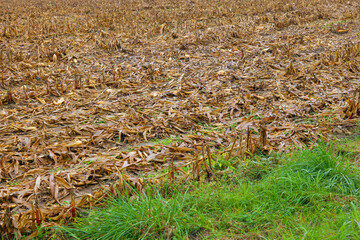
(81, 81)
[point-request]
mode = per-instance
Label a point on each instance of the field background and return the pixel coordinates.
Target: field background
(97, 94)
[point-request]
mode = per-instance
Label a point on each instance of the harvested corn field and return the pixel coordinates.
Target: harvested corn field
(98, 95)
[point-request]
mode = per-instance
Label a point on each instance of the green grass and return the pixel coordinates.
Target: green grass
(308, 194)
(149, 216)
(171, 139)
(350, 148)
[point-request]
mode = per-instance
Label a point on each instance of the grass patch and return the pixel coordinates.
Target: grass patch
(309, 194)
(168, 141)
(350, 147)
(150, 216)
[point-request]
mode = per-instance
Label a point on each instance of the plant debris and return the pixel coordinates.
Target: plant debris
(87, 87)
